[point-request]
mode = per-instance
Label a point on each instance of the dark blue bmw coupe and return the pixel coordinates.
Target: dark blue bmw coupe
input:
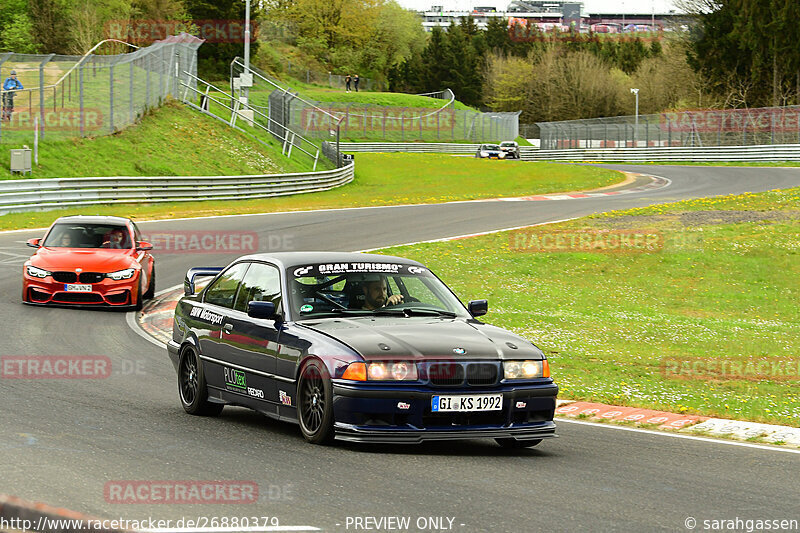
(358, 347)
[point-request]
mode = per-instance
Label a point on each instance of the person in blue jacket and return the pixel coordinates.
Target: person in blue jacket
(9, 86)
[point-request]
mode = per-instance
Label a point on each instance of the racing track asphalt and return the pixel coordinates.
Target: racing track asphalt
(62, 440)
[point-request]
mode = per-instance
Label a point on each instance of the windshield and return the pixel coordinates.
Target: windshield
(508, 144)
(370, 288)
(490, 147)
(77, 235)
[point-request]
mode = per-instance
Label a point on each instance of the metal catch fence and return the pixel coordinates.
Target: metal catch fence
(699, 128)
(440, 122)
(91, 95)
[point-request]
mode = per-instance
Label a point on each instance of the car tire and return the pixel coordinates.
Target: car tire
(151, 288)
(192, 387)
(315, 403)
(515, 444)
(139, 296)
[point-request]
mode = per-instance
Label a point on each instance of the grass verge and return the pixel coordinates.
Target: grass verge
(171, 141)
(707, 324)
(381, 179)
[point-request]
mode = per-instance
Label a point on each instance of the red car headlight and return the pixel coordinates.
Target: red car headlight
(122, 274)
(36, 272)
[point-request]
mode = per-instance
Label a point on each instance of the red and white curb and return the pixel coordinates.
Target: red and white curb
(599, 411)
(657, 182)
(750, 430)
(684, 424)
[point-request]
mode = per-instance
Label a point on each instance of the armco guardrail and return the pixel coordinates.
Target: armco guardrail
(773, 152)
(768, 152)
(38, 194)
(441, 148)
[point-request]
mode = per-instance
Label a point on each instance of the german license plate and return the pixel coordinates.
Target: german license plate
(69, 287)
(471, 402)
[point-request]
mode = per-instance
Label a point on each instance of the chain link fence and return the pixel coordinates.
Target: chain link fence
(699, 128)
(332, 121)
(91, 95)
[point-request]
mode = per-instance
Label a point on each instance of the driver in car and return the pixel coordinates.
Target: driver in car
(376, 295)
(115, 240)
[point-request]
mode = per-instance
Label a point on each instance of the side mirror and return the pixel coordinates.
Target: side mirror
(264, 310)
(478, 307)
(143, 246)
(188, 282)
(34, 243)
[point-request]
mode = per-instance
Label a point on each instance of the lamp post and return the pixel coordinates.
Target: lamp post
(636, 119)
(247, 44)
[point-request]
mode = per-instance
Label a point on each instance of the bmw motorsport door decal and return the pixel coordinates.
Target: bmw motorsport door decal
(206, 315)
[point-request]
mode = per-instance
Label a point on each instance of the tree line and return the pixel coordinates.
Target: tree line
(748, 51)
(73, 27)
(736, 53)
(493, 68)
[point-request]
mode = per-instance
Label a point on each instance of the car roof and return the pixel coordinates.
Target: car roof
(292, 259)
(94, 219)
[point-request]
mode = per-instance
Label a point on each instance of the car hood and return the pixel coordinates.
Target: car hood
(424, 338)
(90, 260)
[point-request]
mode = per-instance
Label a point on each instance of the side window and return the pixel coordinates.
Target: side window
(136, 233)
(223, 291)
(262, 283)
(419, 291)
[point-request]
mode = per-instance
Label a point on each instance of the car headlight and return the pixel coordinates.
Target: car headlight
(122, 274)
(526, 369)
(392, 371)
(484, 154)
(37, 272)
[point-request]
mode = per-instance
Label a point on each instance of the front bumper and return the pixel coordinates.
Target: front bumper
(108, 293)
(402, 414)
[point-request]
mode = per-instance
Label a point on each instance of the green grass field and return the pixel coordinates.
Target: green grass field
(171, 141)
(381, 179)
(714, 163)
(631, 328)
(400, 100)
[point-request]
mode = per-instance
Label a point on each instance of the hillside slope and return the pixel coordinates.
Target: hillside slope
(172, 140)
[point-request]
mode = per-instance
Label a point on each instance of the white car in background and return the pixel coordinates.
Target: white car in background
(511, 149)
(488, 151)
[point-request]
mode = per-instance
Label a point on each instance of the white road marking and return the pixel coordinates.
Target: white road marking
(681, 436)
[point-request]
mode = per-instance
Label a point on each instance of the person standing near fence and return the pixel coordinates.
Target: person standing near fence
(9, 86)
(355, 82)
(347, 83)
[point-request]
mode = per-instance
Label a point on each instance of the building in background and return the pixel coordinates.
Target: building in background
(565, 16)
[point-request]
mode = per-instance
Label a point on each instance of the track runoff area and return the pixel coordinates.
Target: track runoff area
(127, 431)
